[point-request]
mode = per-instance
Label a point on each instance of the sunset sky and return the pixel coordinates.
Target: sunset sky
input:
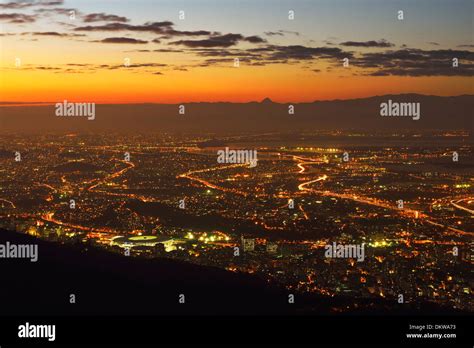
(174, 60)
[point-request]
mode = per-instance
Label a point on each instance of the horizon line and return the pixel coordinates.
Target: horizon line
(264, 100)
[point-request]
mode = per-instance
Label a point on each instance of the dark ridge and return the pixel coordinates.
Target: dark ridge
(437, 113)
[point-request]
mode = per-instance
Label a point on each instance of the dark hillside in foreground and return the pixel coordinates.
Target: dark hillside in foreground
(111, 284)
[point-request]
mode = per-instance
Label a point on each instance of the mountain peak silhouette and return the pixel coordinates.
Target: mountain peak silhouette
(265, 115)
(266, 101)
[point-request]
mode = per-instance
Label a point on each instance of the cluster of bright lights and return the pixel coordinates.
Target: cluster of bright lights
(379, 244)
(206, 238)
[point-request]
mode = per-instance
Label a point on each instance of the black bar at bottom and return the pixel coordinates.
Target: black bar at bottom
(289, 330)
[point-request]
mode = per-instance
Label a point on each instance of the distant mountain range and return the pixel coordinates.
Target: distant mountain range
(441, 113)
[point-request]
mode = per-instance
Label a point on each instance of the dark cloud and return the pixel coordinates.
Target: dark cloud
(141, 51)
(148, 65)
(167, 50)
(14, 5)
(58, 11)
(153, 27)
(27, 4)
(426, 71)
(433, 43)
(226, 40)
(416, 62)
(103, 17)
(270, 54)
(161, 50)
(215, 41)
(164, 28)
(173, 32)
(273, 33)
(49, 2)
(298, 52)
(53, 33)
(91, 68)
(281, 33)
(17, 18)
(46, 68)
(372, 43)
(121, 40)
(255, 39)
(416, 55)
(223, 52)
(39, 67)
(466, 46)
(131, 66)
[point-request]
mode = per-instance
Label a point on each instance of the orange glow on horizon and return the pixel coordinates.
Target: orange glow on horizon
(281, 84)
